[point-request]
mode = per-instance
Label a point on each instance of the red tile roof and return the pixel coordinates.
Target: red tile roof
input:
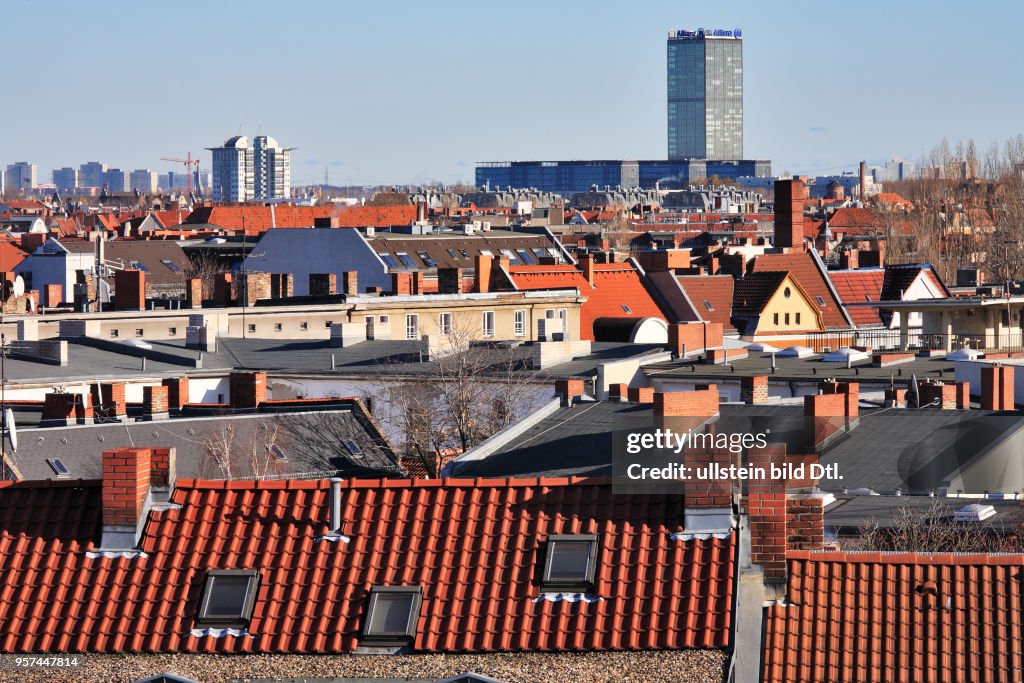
(897, 617)
(10, 256)
(855, 286)
(853, 217)
(891, 199)
(806, 270)
(472, 545)
(615, 285)
(377, 216)
(716, 290)
(170, 219)
(258, 219)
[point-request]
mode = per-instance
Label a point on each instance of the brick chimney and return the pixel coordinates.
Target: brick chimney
(194, 293)
(222, 286)
(586, 265)
(154, 403)
(110, 403)
(130, 290)
(248, 389)
(694, 337)
(177, 393)
(997, 387)
(833, 409)
(942, 394)
(401, 284)
(127, 476)
(754, 390)
(640, 394)
(419, 280)
(163, 471)
(569, 389)
(350, 282)
(618, 392)
(701, 402)
(708, 501)
(58, 410)
(483, 264)
(805, 522)
(790, 196)
(766, 509)
(848, 259)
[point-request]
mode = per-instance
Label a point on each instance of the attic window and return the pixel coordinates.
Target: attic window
(392, 615)
(486, 252)
(526, 257)
(171, 265)
(454, 254)
(278, 453)
(707, 305)
(867, 297)
(352, 447)
(426, 259)
(228, 597)
(465, 254)
(139, 266)
(388, 260)
(570, 563)
(626, 309)
(821, 301)
(58, 467)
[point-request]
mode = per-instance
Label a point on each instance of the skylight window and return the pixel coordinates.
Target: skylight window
(426, 259)
(512, 258)
(171, 265)
(570, 562)
(454, 254)
(405, 259)
(278, 453)
(526, 257)
(352, 447)
(465, 254)
(626, 309)
(867, 297)
(58, 467)
(228, 597)
(486, 252)
(139, 266)
(388, 259)
(707, 305)
(392, 615)
(821, 301)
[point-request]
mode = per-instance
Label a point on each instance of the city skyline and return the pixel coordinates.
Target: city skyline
(352, 106)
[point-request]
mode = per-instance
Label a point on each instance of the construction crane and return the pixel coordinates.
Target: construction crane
(189, 163)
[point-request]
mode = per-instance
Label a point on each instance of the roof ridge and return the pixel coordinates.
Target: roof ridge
(453, 482)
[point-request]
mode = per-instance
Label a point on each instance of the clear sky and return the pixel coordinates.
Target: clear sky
(383, 92)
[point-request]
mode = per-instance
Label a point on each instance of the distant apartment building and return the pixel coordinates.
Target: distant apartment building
(272, 172)
(898, 169)
(705, 94)
(242, 172)
(142, 180)
(21, 175)
(65, 179)
(116, 180)
(233, 167)
(91, 174)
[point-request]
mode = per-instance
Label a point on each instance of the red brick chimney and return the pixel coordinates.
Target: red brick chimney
(942, 394)
(848, 259)
(997, 387)
(222, 286)
(177, 393)
(154, 403)
(58, 410)
(483, 264)
(569, 389)
(130, 290)
(126, 495)
(805, 522)
(163, 468)
(863, 182)
(586, 264)
(350, 282)
(754, 390)
(766, 509)
(248, 389)
(618, 392)
(701, 402)
(401, 284)
(194, 293)
(449, 280)
(833, 409)
(640, 394)
(790, 196)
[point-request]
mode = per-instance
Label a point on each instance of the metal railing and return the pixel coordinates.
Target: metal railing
(890, 340)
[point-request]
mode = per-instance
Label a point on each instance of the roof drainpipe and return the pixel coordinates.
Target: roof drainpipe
(335, 521)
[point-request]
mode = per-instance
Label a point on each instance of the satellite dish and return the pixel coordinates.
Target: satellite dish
(19, 286)
(12, 430)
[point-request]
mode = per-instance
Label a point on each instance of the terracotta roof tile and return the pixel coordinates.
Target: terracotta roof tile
(472, 545)
(716, 290)
(897, 617)
(807, 271)
(10, 256)
(853, 217)
(859, 286)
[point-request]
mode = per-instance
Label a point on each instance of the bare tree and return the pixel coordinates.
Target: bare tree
(470, 392)
(206, 267)
(932, 529)
(241, 449)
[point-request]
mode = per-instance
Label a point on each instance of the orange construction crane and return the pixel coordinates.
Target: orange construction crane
(189, 163)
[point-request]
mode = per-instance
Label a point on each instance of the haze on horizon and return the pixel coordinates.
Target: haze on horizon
(379, 94)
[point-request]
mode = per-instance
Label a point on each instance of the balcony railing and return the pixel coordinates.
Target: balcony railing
(890, 340)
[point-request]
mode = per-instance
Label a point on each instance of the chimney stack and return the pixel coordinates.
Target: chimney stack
(997, 387)
(154, 403)
(130, 290)
(569, 389)
(586, 263)
(177, 393)
(127, 476)
(483, 264)
(350, 282)
(766, 507)
(835, 408)
(754, 390)
(790, 196)
(247, 389)
(863, 183)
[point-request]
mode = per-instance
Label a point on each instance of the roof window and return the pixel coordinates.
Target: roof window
(570, 562)
(405, 259)
(626, 309)
(388, 260)
(228, 597)
(821, 301)
(707, 305)
(392, 615)
(58, 467)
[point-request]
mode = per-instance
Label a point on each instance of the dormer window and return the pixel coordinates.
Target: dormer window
(228, 597)
(392, 615)
(570, 563)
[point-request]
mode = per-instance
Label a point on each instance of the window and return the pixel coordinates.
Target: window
(328, 324)
(114, 334)
(526, 257)
(513, 260)
(821, 301)
(787, 292)
(382, 319)
(520, 323)
(626, 309)
(775, 318)
(139, 331)
(278, 453)
(797, 314)
(392, 614)
(172, 331)
(454, 254)
(488, 324)
(353, 448)
(412, 326)
(138, 266)
(426, 259)
(405, 259)
(228, 597)
(303, 326)
(549, 313)
(444, 323)
(486, 252)
(867, 297)
(465, 254)
(58, 467)
(563, 315)
(787, 318)
(570, 562)
(277, 327)
(171, 265)
(252, 328)
(388, 260)
(707, 305)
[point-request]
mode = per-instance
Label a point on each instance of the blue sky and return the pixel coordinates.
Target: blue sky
(381, 92)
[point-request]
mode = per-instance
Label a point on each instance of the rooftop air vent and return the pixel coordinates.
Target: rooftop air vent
(975, 512)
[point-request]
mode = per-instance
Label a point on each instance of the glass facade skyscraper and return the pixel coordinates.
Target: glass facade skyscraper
(705, 94)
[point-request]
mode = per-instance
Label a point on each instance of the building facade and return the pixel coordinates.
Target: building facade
(705, 94)
(116, 180)
(91, 174)
(21, 175)
(142, 180)
(272, 172)
(66, 179)
(233, 167)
